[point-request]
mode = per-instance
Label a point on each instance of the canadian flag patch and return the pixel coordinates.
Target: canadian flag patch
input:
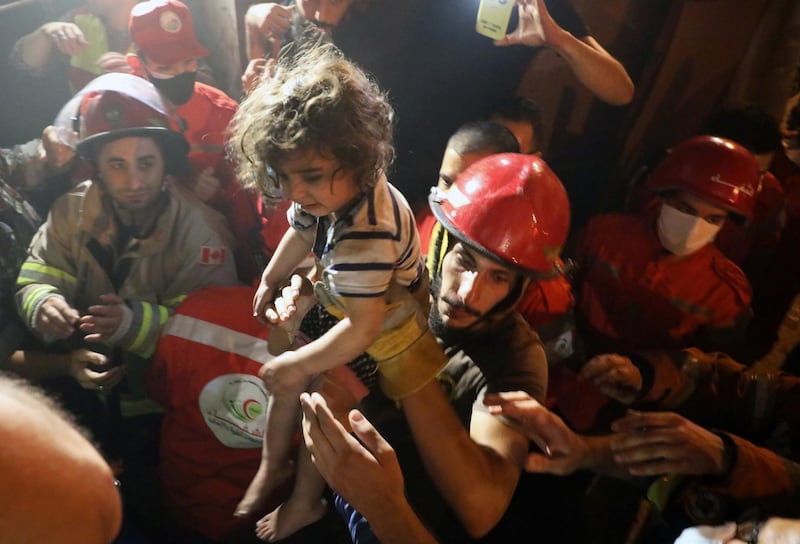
(212, 255)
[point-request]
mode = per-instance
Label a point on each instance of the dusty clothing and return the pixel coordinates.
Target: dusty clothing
(718, 393)
(73, 255)
(634, 295)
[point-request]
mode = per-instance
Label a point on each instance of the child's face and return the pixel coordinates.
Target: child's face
(315, 181)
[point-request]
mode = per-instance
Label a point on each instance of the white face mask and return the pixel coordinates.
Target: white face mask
(683, 233)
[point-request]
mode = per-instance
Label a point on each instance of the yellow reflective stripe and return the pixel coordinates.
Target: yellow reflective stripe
(150, 349)
(144, 328)
(163, 314)
(174, 301)
(40, 270)
(32, 297)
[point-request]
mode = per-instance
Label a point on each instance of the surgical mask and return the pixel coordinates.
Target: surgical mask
(178, 89)
(683, 233)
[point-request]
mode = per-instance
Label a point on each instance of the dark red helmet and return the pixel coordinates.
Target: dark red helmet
(510, 207)
(110, 114)
(114, 106)
(712, 168)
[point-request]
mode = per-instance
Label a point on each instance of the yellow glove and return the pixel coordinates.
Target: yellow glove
(408, 357)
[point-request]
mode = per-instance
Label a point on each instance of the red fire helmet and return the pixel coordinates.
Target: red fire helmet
(510, 207)
(715, 169)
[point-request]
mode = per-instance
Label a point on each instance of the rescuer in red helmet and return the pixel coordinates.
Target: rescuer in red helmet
(124, 247)
(657, 281)
(116, 255)
(507, 216)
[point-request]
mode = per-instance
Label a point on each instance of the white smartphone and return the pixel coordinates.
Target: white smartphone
(493, 17)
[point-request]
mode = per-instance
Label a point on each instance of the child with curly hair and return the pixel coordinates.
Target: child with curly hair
(321, 131)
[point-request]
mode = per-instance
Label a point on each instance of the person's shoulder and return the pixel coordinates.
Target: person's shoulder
(523, 336)
(731, 276)
(214, 96)
(81, 191)
(385, 209)
(384, 185)
(770, 182)
(192, 210)
(68, 207)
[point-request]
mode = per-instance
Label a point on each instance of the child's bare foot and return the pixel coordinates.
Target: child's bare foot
(264, 483)
(289, 518)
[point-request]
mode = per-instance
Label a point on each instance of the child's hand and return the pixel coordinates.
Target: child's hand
(284, 307)
(262, 301)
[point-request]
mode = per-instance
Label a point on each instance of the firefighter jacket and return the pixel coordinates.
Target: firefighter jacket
(73, 255)
(636, 296)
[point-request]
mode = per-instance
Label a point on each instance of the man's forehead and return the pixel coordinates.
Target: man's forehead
(698, 202)
(482, 260)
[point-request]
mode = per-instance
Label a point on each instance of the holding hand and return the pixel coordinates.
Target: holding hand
(534, 28)
(616, 376)
(67, 37)
(271, 19)
(257, 71)
(284, 375)
(114, 62)
(56, 152)
(103, 320)
(56, 318)
(565, 451)
(206, 184)
(79, 362)
(296, 297)
(252, 74)
(657, 443)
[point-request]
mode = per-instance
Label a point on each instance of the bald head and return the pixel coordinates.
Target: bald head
(56, 486)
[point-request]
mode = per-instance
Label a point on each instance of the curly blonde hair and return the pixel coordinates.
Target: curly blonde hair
(316, 100)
